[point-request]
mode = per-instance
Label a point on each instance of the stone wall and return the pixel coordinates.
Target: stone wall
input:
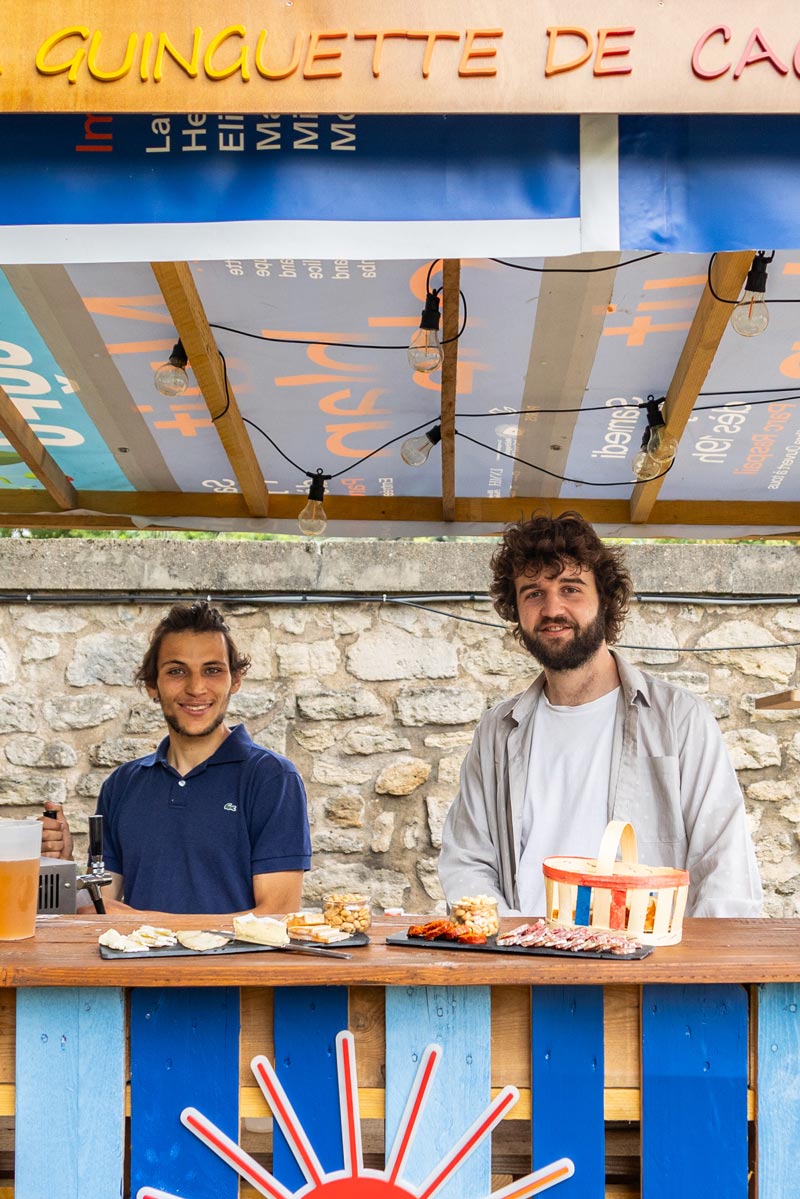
(374, 700)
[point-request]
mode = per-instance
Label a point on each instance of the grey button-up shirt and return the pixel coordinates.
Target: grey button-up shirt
(671, 777)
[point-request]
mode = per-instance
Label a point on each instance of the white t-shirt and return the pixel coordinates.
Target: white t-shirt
(565, 810)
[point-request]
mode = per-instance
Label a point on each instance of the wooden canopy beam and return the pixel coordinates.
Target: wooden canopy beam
(702, 341)
(451, 311)
(30, 508)
(186, 309)
(36, 457)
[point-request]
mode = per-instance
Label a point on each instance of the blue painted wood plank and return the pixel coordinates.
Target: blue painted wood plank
(567, 1078)
(184, 1051)
(778, 1116)
(458, 1019)
(694, 1092)
(306, 1022)
(70, 1092)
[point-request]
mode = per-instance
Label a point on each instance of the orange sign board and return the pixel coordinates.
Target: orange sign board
(359, 56)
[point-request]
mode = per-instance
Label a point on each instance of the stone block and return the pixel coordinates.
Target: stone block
(385, 888)
(777, 662)
(145, 717)
(251, 702)
(437, 814)
(117, 750)
(396, 654)
(373, 739)
(411, 836)
(258, 644)
(382, 829)
(294, 659)
(89, 784)
(449, 740)
(402, 777)
(315, 739)
(333, 772)
(495, 660)
(339, 705)
(39, 649)
(351, 618)
(771, 791)
(333, 840)
(288, 619)
(98, 658)
(17, 715)
(64, 712)
(428, 875)
(658, 641)
(26, 789)
(439, 705)
(346, 809)
(273, 735)
(34, 751)
(449, 771)
(61, 619)
(8, 670)
(751, 750)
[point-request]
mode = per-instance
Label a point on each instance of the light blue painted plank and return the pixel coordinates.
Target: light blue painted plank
(70, 1089)
(694, 1092)
(306, 1022)
(778, 1118)
(184, 1052)
(567, 1073)
(458, 1019)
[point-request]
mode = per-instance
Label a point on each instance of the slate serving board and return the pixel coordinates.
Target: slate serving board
(491, 946)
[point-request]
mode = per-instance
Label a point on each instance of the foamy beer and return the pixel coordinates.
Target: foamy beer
(20, 850)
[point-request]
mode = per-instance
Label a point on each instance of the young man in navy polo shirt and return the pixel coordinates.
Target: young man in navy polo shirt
(210, 822)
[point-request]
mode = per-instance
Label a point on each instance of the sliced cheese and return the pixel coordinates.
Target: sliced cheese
(263, 930)
(196, 939)
(325, 933)
(310, 916)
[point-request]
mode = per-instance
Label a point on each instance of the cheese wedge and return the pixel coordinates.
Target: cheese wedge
(310, 916)
(200, 941)
(263, 930)
(324, 933)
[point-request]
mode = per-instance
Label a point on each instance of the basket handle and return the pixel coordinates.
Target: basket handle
(619, 834)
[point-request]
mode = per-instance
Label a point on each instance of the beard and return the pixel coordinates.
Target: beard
(567, 655)
(176, 726)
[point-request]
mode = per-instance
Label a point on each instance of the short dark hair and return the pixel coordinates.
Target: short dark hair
(198, 617)
(548, 544)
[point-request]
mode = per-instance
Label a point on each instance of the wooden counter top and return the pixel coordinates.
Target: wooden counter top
(64, 952)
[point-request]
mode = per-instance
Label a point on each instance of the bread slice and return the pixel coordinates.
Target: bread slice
(263, 930)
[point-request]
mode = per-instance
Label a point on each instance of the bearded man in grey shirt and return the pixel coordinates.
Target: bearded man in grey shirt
(592, 739)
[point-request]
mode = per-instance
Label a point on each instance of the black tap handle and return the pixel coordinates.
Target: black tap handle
(95, 839)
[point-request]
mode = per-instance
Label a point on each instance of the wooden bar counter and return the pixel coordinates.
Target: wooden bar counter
(671, 1077)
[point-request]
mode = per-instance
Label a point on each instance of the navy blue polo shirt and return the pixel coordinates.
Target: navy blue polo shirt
(193, 843)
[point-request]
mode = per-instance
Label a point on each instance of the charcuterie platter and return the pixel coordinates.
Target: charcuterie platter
(149, 942)
(534, 938)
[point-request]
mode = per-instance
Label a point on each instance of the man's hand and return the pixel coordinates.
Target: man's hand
(56, 836)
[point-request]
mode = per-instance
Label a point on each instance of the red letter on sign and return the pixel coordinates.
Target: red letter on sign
(604, 52)
(764, 54)
(698, 70)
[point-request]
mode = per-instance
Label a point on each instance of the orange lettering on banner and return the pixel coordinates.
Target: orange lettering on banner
(141, 347)
(239, 63)
(380, 36)
(478, 52)
(315, 55)
(184, 422)
(335, 442)
(72, 65)
(320, 356)
(700, 45)
(128, 307)
(554, 32)
(604, 51)
(431, 37)
(465, 377)
(676, 281)
(790, 367)
(265, 72)
(764, 53)
(641, 326)
(330, 405)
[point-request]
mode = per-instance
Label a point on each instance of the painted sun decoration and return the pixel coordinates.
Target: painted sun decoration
(354, 1181)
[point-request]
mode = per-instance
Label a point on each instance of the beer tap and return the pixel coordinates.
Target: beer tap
(96, 875)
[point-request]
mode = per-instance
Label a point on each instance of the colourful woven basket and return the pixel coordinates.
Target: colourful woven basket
(648, 902)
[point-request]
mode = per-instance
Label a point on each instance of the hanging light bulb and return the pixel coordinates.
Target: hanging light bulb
(171, 378)
(751, 315)
(658, 446)
(425, 350)
(414, 450)
(312, 520)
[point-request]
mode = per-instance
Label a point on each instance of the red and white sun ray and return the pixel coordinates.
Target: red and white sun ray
(354, 1181)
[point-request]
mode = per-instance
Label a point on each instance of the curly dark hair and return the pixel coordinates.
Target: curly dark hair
(198, 617)
(549, 544)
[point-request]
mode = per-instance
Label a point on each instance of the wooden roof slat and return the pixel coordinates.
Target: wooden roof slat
(36, 457)
(702, 341)
(451, 314)
(186, 309)
(30, 508)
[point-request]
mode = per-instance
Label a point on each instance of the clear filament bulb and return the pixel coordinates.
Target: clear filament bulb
(171, 379)
(415, 450)
(312, 520)
(425, 350)
(751, 315)
(646, 467)
(662, 446)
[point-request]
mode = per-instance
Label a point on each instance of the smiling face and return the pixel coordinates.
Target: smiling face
(561, 621)
(194, 683)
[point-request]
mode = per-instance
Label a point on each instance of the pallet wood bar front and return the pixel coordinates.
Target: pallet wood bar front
(680, 1068)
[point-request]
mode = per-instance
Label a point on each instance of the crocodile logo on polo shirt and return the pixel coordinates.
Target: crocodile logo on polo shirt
(229, 807)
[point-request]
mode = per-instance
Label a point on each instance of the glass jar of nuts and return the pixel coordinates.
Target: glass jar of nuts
(347, 911)
(478, 913)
